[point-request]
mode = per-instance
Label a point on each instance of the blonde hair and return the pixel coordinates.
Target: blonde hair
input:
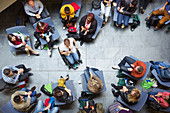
(134, 98)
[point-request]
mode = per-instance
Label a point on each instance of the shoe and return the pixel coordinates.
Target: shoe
(49, 52)
(55, 47)
(114, 86)
(115, 93)
(35, 53)
(155, 28)
(30, 74)
(122, 26)
(117, 25)
(64, 28)
(87, 67)
(33, 88)
(28, 69)
(61, 76)
(67, 76)
(81, 43)
(151, 61)
(116, 67)
(146, 19)
(38, 95)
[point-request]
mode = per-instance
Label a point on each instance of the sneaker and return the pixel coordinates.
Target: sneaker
(55, 47)
(67, 76)
(123, 26)
(116, 67)
(61, 76)
(151, 61)
(81, 43)
(38, 95)
(114, 86)
(49, 52)
(64, 28)
(28, 69)
(30, 74)
(33, 88)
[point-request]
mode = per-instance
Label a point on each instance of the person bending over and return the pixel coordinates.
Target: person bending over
(15, 74)
(68, 15)
(125, 9)
(22, 100)
(88, 25)
(61, 92)
(137, 68)
(130, 95)
(18, 41)
(35, 10)
(44, 31)
(165, 11)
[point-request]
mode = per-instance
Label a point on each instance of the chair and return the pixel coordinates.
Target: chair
(161, 15)
(162, 90)
(49, 21)
(69, 84)
(116, 15)
(15, 29)
(100, 75)
(65, 59)
(78, 2)
(5, 85)
(148, 65)
(99, 24)
(8, 108)
(167, 84)
(138, 106)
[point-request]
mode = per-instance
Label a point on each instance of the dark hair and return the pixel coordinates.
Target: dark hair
(6, 71)
(134, 2)
(67, 9)
(10, 37)
(39, 25)
(140, 69)
(66, 41)
(17, 99)
(91, 15)
(58, 94)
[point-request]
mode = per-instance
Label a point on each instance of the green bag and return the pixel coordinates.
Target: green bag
(121, 82)
(147, 83)
(48, 87)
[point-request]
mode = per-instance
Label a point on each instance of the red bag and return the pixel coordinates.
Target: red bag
(72, 30)
(75, 6)
(47, 102)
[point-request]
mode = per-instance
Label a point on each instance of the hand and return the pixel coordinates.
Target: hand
(20, 71)
(161, 9)
(114, 4)
(132, 65)
(29, 93)
(38, 16)
(129, 69)
(82, 28)
(66, 18)
(125, 89)
(47, 39)
(70, 17)
(118, 8)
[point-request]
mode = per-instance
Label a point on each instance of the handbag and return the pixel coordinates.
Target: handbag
(154, 105)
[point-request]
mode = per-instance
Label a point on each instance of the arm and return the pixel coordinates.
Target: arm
(41, 7)
(15, 46)
(93, 27)
(122, 108)
(165, 4)
(27, 10)
(130, 13)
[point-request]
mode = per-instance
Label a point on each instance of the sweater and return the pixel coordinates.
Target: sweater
(72, 12)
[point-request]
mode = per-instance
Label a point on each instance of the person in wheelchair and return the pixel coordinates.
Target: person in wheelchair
(18, 41)
(69, 49)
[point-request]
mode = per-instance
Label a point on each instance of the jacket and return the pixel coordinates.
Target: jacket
(72, 12)
(24, 105)
(93, 26)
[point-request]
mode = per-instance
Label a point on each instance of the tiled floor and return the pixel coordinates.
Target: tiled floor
(110, 46)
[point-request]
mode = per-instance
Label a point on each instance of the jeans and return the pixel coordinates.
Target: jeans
(121, 17)
(72, 58)
(124, 61)
(40, 108)
(33, 98)
(87, 74)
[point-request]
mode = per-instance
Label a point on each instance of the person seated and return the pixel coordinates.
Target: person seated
(44, 31)
(69, 49)
(47, 107)
(88, 26)
(18, 41)
(23, 99)
(162, 98)
(35, 10)
(61, 92)
(142, 5)
(68, 15)
(106, 8)
(161, 69)
(15, 74)
(137, 68)
(164, 11)
(95, 84)
(130, 94)
(125, 9)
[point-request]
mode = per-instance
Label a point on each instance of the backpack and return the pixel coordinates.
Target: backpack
(96, 4)
(153, 21)
(136, 22)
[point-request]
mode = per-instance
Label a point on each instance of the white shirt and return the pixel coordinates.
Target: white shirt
(72, 47)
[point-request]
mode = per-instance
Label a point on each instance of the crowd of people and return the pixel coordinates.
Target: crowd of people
(25, 99)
